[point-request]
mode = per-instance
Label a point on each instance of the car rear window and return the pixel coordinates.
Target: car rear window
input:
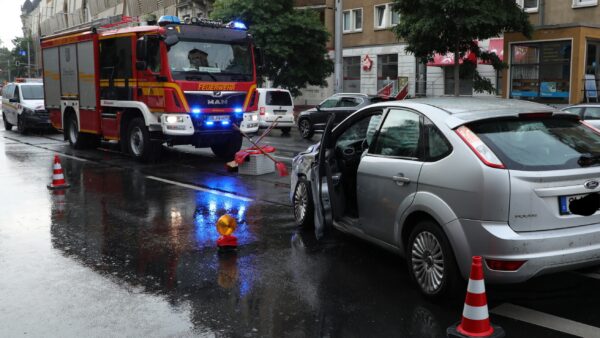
(278, 99)
(540, 143)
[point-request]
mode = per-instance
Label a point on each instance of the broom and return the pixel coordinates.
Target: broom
(281, 168)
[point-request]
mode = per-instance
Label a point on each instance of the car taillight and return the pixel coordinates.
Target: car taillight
(262, 111)
(482, 151)
(498, 265)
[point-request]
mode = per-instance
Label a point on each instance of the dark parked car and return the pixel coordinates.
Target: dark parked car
(342, 105)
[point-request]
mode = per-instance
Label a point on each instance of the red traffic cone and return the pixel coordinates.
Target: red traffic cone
(475, 317)
(58, 177)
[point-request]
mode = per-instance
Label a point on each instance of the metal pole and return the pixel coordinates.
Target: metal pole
(8, 63)
(28, 59)
(339, 77)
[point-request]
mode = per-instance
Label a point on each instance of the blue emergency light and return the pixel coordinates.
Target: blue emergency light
(210, 123)
(237, 25)
(238, 110)
(196, 110)
(168, 19)
(225, 123)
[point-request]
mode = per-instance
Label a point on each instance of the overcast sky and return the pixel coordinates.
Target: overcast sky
(10, 21)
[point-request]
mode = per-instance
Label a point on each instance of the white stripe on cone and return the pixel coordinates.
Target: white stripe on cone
(476, 286)
(475, 312)
(58, 177)
(57, 166)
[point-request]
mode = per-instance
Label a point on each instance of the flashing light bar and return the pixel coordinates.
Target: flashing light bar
(168, 19)
(210, 123)
(196, 110)
(237, 25)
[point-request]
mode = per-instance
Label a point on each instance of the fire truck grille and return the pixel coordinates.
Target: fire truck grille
(216, 100)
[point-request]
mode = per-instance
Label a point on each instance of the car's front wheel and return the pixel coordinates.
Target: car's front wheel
(21, 125)
(306, 128)
(302, 201)
(431, 261)
(7, 125)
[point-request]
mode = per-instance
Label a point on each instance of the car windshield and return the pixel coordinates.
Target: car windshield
(32, 92)
(278, 98)
(540, 143)
(210, 61)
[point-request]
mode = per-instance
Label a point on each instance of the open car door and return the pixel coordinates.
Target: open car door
(328, 200)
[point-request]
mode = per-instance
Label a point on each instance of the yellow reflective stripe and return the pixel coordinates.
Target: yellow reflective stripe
(248, 96)
(113, 36)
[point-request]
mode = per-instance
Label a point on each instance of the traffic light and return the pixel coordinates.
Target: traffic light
(17, 63)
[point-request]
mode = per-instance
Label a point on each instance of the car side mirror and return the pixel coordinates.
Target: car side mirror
(141, 65)
(318, 107)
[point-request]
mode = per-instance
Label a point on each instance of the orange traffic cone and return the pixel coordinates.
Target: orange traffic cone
(58, 177)
(475, 317)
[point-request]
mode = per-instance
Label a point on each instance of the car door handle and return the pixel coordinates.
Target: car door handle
(401, 179)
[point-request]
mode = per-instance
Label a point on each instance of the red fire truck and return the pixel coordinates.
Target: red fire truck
(179, 83)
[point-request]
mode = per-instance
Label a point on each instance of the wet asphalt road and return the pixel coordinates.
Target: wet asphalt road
(129, 250)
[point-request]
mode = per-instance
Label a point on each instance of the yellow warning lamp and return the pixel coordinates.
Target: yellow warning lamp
(226, 225)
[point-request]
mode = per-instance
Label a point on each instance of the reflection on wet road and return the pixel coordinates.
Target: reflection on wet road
(122, 254)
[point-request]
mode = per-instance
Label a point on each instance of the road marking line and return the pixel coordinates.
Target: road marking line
(546, 320)
(194, 187)
(73, 157)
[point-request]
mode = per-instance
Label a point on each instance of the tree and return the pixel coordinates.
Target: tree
(293, 41)
(433, 26)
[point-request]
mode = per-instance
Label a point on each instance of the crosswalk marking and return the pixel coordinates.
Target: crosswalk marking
(546, 320)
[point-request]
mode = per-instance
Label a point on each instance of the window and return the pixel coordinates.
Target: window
(362, 130)
(591, 113)
(538, 143)
(352, 74)
(436, 146)
(399, 135)
(115, 58)
(329, 103)
(352, 20)
(348, 102)
(584, 3)
(529, 6)
(387, 69)
(385, 16)
(278, 98)
(16, 93)
(153, 54)
(33, 92)
(541, 71)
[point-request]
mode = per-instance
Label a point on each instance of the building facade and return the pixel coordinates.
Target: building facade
(375, 61)
(559, 64)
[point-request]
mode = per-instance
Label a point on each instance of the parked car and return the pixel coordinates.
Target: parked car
(441, 180)
(23, 106)
(589, 112)
(276, 104)
(340, 105)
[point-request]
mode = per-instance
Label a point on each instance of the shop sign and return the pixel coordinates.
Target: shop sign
(367, 63)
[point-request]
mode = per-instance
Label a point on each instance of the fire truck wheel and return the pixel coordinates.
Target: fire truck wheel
(138, 141)
(76, 139)
(7, 124)
(226, 151)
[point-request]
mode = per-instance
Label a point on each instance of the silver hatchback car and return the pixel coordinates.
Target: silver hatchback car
(441, 180)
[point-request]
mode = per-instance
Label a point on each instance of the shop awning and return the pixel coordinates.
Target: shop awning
(495, 45)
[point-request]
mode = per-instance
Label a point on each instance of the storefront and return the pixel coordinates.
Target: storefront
(552, 66)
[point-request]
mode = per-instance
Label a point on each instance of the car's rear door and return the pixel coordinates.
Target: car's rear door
(389, 173)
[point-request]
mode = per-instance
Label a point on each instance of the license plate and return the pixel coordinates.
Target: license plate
(218, 118)
(565, 201)
(279, 112)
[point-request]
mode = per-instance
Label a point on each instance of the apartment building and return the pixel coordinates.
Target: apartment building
(564, 50)
(374, 59)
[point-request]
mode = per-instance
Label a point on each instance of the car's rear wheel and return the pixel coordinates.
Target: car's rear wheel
(303, 204)
(306, 128)
(431, 261)
(226, 151)
(7, 125)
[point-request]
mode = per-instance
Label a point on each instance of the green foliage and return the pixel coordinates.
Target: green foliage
(12, 57)
(433, 26)
(293, 41)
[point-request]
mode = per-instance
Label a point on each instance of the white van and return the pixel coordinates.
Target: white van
(23, 106)
(274, 103)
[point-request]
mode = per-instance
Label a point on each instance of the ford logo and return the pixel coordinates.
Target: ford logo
(591, 184)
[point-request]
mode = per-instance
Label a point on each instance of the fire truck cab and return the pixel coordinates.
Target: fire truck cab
(174, 83)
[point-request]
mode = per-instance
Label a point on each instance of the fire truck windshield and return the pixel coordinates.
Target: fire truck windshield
(210, 61)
